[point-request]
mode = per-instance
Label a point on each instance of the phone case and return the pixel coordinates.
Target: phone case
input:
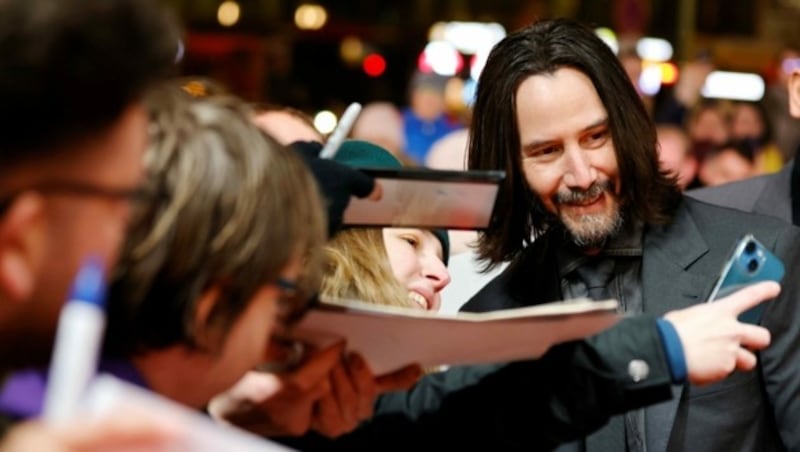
(751, 262)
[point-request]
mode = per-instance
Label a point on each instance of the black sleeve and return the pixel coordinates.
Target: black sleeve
(536, 404)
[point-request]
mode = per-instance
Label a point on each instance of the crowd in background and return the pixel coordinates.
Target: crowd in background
(217, 225)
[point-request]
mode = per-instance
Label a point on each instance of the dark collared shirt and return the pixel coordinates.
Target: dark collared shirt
(618, 267)
(623, 254)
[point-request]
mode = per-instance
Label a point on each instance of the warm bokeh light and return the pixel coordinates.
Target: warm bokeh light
(195, 88)
(228, 13)
(310, 17)
(374, 65)
(351, 50)
(609, 37)
(669, 73)
(325, 121)
(437, 31)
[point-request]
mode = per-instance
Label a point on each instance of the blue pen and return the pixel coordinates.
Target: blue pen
(78, 339)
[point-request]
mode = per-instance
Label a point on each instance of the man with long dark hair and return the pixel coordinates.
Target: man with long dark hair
(596, 217)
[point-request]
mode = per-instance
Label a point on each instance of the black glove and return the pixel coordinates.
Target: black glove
(336, 181)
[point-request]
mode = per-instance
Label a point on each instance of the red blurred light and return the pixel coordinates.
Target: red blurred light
(374, 65)
(423, 65)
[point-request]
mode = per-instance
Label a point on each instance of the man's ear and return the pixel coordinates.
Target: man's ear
(22, 246)
(794, 93)
(205, 335)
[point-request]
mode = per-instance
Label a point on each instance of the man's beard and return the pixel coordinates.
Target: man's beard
(590, 231)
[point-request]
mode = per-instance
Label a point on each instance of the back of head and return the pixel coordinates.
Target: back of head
(449, 152)
(236, 208)
(381, 123)
(69, 68)
(541, 49)
(287, 125)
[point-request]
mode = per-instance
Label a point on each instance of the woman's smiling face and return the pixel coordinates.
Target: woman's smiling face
(415, 256)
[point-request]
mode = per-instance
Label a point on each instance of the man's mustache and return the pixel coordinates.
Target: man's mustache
(577, 196)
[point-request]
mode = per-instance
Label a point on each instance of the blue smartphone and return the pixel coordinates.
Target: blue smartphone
(751, 262)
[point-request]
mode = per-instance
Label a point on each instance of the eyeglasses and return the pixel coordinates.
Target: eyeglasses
(75, 188)
(292, 306)
(293, 303)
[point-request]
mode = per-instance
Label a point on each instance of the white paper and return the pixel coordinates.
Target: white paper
(390, 338)
(108, 395)
(426, 203)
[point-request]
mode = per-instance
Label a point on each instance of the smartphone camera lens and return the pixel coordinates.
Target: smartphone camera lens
(752, 265)
(750, 248)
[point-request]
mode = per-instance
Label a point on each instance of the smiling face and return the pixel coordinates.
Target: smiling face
(568, 154)
(415, 256)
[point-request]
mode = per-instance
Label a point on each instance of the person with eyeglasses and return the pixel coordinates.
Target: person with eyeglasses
(216, 269)
(403, 267)
(72, 133)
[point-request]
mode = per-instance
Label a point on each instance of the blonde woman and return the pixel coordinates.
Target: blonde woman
(390, 266)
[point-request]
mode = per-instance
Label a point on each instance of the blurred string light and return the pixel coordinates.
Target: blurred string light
(650, 79)
(655, 75)
(440, 57)
(228, 13)
(669, 73)
(310, 16)
(325, 121)
(468, 93)
(654, 49)
(733, 86)
(468, 38)
(352, 50)
(374, 65)
(608, 36)
(477, 63)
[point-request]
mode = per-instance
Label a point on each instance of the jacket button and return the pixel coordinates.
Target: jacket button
(638, 370)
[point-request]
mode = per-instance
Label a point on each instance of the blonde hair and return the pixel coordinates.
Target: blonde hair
(357, 266)
(236, 208)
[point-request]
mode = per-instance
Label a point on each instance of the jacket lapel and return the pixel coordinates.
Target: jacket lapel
(529, 280)
(668, 285)
(536, 269)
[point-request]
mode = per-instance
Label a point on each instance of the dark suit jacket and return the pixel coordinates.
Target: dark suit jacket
(766, 195)
(753, 411)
